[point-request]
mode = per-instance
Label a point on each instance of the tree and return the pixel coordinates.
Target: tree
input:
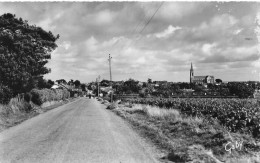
(77, 83)
(144, 85)
(129, 86)
(83, 87)
(149, 81)
(61, 81)
(175, 88)
(50, 82)
(24, 51)
(210, 86)
(185, 85)
(218, 81)
(43, 83)
(104, 83)
(242, 90)
(71, 82)
(198, 88)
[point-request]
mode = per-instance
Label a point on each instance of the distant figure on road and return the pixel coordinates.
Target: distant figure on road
(89, 96)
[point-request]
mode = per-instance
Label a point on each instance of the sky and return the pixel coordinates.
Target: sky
(156, 40)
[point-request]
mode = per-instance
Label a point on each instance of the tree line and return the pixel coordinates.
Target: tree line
(168, 89)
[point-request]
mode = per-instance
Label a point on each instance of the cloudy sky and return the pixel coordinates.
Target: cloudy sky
(220, 39)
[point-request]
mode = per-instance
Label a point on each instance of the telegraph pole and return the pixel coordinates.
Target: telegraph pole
(109, 59)
(98, 80)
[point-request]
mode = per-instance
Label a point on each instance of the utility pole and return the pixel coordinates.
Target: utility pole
(97, 85)
(98, 80)
(109, 59)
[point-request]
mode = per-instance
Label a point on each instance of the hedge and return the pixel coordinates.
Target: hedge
(40, 96)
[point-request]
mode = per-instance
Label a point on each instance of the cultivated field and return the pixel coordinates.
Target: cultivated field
(203, 130)
(236, 114)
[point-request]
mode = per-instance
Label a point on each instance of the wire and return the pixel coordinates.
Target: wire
(144, 17)
(135, 29)
(151, 17)
(147, 23)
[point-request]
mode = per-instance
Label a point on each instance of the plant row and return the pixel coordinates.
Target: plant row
(235, 114)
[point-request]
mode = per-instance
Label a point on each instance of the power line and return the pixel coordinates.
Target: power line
(147, 23)
(144, 17)
(135, 29)
(151, 17)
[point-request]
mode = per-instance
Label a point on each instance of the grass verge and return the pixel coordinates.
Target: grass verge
(18, 111)
(189, 139)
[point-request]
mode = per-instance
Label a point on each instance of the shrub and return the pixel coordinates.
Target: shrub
(5, 94)
(27, 97)
(112, 106)
(36, 97)
(44, 95)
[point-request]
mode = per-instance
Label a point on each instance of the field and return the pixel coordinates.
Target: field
(241, 115)
(197, 130)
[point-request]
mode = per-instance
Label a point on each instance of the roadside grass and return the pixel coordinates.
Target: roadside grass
(186, 138)
(15, 112)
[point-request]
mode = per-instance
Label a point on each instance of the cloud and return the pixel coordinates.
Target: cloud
(208, 48)
(179, 33)
(167, 32)
(236, 32)
(178, 10)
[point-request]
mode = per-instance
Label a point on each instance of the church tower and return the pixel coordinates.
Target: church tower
(191, 73)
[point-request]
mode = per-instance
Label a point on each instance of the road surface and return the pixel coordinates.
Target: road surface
(81, 131)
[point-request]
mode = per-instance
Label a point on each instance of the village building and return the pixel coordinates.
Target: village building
(200, 79)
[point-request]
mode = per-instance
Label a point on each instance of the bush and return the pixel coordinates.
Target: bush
(27, 97)
(36, 97)
(44, 95)
(5, 94)
(112, 106)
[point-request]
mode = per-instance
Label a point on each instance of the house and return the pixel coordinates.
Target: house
(60, 86)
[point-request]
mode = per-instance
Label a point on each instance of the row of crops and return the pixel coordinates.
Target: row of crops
(234, 114)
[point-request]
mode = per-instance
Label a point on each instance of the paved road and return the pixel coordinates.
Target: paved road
(81, 131)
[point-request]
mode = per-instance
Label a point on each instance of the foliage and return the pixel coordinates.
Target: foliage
(235, 114)
(77, 83)
(92, 86)
(27, 97)
(24, 51)
(83, 87)
(71, 82)
(61, 81)
(5, 94)
(129, 86)
(104, 83)
(149, 81)
(40, 96)
(43, 83)
(199, 88)
(218, 81)
(242, 90)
